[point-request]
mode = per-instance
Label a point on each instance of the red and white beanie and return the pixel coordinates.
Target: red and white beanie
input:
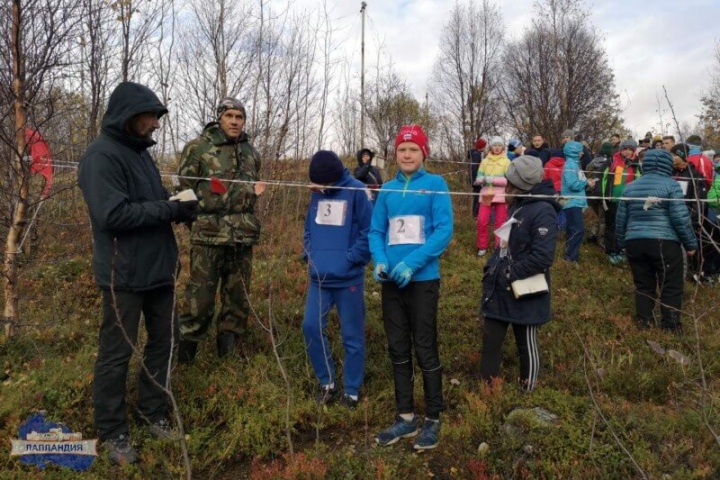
(414, 134)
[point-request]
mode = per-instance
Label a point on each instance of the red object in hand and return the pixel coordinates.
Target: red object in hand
(216, 186)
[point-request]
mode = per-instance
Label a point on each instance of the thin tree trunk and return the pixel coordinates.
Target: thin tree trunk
(10, 313)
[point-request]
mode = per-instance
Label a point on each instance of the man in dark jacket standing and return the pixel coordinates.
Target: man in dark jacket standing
(135, 259)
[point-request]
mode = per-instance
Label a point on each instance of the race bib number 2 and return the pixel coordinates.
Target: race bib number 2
(331, 212)
(407, 229)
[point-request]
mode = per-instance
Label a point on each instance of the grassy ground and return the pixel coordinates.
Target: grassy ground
(623, 410)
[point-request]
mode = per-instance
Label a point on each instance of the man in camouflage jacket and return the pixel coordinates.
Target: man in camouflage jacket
(222, 167)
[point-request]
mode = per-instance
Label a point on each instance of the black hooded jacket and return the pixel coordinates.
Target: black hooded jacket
(367, 173)
(530, 250)
(134, 245)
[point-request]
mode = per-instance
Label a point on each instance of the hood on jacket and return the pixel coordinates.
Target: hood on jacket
(345, 180)
(359, 155)
(556, 152)
(127, 100)
(658, 161)
(556, 162)
(606, 150)
(572, 150)
(546, 193)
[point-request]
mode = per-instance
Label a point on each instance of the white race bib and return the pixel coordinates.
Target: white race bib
(407, 229)
(331, 212)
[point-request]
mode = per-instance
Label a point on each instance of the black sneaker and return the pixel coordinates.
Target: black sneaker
(349, 402)
(326, 396)
(120, 450)
(162, 430)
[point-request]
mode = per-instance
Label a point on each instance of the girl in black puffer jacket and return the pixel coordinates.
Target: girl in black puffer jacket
(529, 250)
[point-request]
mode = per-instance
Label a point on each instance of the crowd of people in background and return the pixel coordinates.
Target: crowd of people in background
(669, 234)
(653, 204)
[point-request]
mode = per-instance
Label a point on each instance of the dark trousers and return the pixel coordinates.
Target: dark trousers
(118, 336)
(574, 233)
(657, 264)
(476, 200)
(526, 340)
(410, 319)
(611, 246)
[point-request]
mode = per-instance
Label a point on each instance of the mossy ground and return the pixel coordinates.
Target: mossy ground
(623, 410)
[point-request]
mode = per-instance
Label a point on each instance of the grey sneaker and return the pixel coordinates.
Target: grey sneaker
(429, 435)
(399, 429)
(162, 430)
(481, 252)
(120, 450)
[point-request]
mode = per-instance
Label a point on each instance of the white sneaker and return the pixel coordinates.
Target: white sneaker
(481, 253)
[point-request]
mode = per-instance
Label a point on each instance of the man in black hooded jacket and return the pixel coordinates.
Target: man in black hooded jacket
(367, 173)
(135, 259)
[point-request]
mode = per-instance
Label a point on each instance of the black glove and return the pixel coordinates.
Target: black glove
(184, 211)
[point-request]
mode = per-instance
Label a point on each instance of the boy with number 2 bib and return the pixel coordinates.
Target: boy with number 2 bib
(412, 225)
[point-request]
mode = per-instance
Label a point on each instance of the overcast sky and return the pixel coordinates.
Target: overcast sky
(649, 45)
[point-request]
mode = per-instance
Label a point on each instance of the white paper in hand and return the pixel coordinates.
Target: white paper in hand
(504, 231)
(184, 196)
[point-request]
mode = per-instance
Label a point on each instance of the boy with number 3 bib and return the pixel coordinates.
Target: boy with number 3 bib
(336, 250)
(412, 225)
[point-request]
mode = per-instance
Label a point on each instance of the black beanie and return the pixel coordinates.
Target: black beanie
(325, 168)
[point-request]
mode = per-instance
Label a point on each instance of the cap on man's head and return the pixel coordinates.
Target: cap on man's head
(326, 167)
(629, 143)
(568, 134)
(525, 172)
(229, 103)
(645, 140)
(680, 150)
(413, 133)
(694, 140)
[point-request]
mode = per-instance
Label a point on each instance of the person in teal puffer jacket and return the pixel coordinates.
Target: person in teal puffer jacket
(652, 227)
(573, 189)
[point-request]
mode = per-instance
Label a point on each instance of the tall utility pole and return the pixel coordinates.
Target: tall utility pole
(363, 6)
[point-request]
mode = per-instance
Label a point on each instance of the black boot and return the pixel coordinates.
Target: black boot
(227, 344)
(186, 352)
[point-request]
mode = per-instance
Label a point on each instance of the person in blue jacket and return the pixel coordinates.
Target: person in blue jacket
(573, 189)
(529, 250)
(651, 227)
(412, 225)
(336, 251)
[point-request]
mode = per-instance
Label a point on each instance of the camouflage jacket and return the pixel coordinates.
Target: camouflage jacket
(227, 209)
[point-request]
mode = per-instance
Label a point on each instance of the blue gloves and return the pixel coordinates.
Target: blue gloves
(401, 274)
(380, 273)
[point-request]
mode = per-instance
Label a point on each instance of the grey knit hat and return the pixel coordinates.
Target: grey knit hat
(629, 143)
(569, 134)
(525, 172)
(496, 141)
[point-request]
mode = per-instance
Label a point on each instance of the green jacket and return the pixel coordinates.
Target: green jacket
(227, 208)
(714, 193)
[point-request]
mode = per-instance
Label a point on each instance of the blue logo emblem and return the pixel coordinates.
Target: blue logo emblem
(42, 442)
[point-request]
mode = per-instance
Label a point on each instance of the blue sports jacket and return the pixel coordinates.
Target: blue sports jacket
(413, 198)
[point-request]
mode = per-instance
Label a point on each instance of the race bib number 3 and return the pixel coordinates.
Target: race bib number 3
(331, 212)
(407, 229)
